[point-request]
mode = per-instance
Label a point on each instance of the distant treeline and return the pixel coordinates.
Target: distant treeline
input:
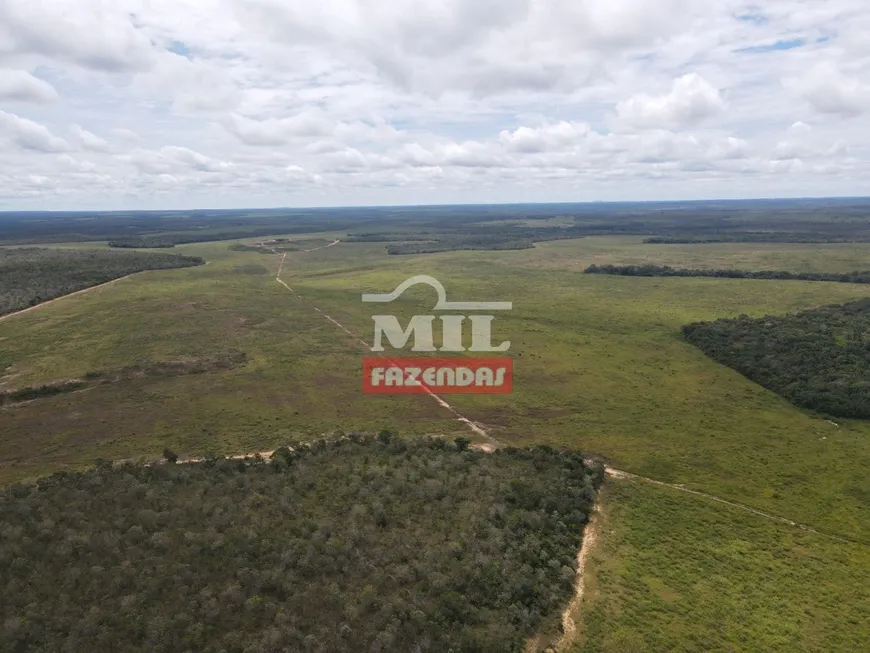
(480, 238)
(30, 276)
(173, 239)
(818, 359)
(365, 543)
(750, 237)
(478, 244)
(143, 243)
(809, 220)
(667, 271)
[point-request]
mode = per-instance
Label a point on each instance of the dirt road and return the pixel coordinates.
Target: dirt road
(473, 426)
(569, 627)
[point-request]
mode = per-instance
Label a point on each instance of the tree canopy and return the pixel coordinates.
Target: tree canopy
(363, 543)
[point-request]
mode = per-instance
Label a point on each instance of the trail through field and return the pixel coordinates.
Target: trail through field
(617, 473)
(569, 627)
(473, 426)
(57, 299)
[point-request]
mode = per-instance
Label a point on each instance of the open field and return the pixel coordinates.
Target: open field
(630, 250)
(673, 572)
(600, 367)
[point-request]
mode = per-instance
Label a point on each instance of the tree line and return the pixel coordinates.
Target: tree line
(818, 359)
(32, 275)
(363, 543)
(648, 270)
(753, 237)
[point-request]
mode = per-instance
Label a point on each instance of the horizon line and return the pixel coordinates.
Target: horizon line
(452, 205)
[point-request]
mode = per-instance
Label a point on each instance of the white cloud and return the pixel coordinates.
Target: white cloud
(92, 34)
(20, 85)
(89, 140)
(545, 138)
(171, 159)
(692, 100)
(277, 131)
(283, 102)
(29, 135)
(829, 90)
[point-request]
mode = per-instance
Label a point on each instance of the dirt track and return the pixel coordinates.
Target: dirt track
(590, 539)
(473, 426)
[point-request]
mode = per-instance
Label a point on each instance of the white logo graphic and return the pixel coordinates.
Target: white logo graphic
(420, 326)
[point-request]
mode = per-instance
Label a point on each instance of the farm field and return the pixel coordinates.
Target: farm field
(599, 367)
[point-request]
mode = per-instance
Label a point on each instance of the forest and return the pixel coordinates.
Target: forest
(649, 270)
(818, 359)
(364, 543)
(800, 221)
(32, 275)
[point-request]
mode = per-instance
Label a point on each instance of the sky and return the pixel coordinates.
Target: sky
(149, 104)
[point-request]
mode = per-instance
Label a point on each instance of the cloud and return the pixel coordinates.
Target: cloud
(828, 90)
(94, 35)
(219, 102)
(803, 142)
(692, 100)
(278, 131)
(174, 159)
(89, 140)
(544, 138)
(21, 86)
(29, 135)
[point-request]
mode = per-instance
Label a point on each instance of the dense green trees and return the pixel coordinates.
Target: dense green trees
(818, 359)
(359, 544)
(29, 276)
(649, 270)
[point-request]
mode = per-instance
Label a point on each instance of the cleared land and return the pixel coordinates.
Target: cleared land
(674, 572)
(600, 367)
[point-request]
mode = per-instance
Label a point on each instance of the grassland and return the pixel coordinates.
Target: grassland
(673, 572)
(600, 367)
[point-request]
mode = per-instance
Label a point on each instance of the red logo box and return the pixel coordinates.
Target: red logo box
(440, 376)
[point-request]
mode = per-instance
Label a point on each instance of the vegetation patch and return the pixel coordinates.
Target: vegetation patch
(753, 237)
(818, 359)
(278, 245)
(32, 275)
(650, 270)
(675, 572)
(251, 268)
(369, 544)
(159, 369)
